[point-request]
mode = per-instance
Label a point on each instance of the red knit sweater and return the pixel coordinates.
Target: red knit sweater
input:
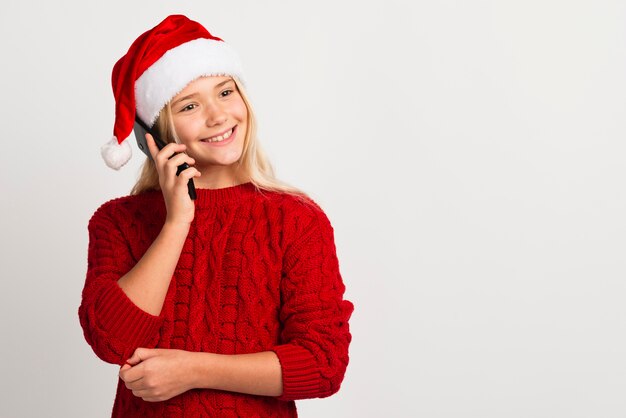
(258, 271)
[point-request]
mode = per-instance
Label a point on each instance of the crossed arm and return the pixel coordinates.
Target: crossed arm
(310, 363)
(159, 374)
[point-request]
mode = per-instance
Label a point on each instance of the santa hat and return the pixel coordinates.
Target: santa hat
(158, 66)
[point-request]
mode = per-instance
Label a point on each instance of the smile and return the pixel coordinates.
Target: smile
(221, 137)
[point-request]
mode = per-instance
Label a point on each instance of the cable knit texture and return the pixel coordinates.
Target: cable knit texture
(258, 271)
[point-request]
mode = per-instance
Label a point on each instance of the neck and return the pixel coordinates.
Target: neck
(219, 177)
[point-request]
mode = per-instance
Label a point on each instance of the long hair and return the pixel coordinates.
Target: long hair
(253, 163)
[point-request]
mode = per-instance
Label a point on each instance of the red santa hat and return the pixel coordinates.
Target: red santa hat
(158, 66)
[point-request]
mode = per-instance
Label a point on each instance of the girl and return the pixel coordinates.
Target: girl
(230, 304)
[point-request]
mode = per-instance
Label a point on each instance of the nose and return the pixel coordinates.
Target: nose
(214, 115)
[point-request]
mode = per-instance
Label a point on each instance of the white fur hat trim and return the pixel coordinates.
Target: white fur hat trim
(116, 155)
(179, 66)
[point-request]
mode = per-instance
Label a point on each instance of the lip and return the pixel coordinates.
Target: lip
(226, 141)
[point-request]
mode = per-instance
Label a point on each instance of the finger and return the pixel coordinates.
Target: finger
(146, 353)
(152, 399)
(135, 358)
(143, 393)
(140, 354)
(152, 146)
(171, 166)
(137, 384)
(178, 170)
(168, 151)
(123, 370)
(133, 361)
(132, 375)
(187, 174)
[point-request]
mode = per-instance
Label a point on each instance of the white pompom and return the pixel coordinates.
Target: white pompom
(116, 155)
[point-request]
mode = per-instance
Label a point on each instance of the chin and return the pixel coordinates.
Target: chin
(221, 162)
(217, 156)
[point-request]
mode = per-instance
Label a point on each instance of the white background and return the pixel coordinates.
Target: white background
(470, 155)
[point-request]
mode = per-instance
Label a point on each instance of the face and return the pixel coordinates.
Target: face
(210, 117)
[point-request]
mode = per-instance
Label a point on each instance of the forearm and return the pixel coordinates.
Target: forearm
(146, 284)
(255, 373)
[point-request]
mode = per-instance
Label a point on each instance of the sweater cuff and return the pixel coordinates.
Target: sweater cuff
(301, 378)
(121, 318)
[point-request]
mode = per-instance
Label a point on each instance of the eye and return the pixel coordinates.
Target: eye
(229, 91)
(184, 109)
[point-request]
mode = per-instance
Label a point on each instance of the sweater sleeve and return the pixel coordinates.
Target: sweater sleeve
(112, 324)
(315, 336)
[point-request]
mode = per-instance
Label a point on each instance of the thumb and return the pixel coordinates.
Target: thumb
(140, 355)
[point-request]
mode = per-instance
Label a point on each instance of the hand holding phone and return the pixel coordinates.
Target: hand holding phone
(143, 145)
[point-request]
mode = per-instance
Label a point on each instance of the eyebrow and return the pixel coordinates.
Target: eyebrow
(189, 96)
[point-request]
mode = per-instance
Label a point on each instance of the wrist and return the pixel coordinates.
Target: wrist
(203, 370)
(176, 226)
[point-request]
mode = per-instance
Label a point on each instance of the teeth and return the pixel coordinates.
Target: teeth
(220, 138)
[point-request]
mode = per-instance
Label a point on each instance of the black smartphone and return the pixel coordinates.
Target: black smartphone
(140, 134)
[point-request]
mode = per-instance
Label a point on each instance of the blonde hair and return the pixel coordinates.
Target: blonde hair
(253, 163)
